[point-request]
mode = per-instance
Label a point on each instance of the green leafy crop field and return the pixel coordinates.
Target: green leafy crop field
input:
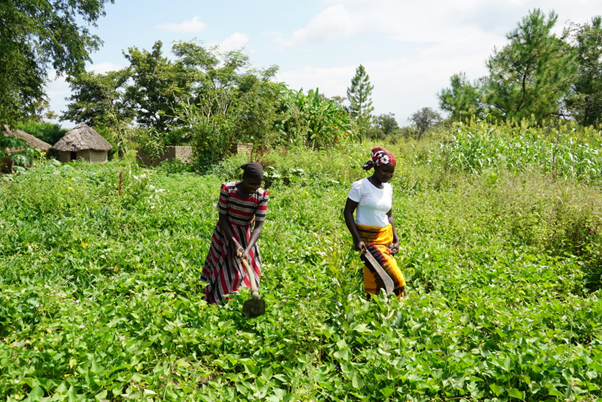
(100, 293)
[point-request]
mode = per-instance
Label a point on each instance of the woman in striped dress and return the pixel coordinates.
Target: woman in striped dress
(242, 209)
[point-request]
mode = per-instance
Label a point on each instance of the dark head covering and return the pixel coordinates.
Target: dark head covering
(252, 170)
(380, 156)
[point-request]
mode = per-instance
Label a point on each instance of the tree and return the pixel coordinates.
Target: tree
(158, 86)
(38, 35)
(339, 100)
(529, 76)
(463, 99)
(360, 98)
(99, 101)
(386, 123)
(227, 95)
(424, 119)
(585, 100)
(259, 101)
(214, 76)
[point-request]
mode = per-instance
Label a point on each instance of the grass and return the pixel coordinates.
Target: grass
(101, 293)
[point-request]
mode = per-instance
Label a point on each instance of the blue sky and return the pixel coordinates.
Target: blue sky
(410, 48)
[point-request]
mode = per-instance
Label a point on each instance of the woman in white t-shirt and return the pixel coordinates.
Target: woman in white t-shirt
(373, 228)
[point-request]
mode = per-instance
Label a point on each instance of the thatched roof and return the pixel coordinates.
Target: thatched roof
(80, 138)
(32, 141)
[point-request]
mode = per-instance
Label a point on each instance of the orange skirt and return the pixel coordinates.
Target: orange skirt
(376, 240)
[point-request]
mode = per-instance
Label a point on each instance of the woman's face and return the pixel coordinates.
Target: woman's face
(251, 185)
(384, 173)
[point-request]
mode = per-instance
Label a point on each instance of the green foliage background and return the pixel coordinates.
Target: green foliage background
(101, 293)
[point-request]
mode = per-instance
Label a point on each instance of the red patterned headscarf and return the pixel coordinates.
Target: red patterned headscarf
(380, 156)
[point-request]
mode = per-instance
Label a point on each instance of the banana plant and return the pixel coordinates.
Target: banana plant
(316, 120)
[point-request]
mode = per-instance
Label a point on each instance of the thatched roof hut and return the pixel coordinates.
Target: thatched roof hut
(83, 142)
(31, 141)
(6, 164)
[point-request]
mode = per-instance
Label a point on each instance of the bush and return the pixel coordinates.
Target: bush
(173, 167)
(152, 143)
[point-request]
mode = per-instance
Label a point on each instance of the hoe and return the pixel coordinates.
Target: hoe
(255, 306)
(388, 282)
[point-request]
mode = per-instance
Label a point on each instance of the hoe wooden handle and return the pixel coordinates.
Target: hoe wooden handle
(251, 275)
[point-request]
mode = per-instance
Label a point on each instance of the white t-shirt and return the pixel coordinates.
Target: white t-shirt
(373, 203)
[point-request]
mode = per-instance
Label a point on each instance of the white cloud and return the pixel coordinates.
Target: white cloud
(418, 21)
(103, 68)
(191, 26)
(408, 21)
(333, 23)
(236, 41)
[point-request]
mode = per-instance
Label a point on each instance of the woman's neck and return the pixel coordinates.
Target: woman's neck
(241, 192)
(375, 182)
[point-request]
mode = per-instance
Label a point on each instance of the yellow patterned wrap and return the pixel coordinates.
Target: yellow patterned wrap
(376, 240)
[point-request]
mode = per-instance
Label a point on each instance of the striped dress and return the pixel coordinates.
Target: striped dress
(223, 271)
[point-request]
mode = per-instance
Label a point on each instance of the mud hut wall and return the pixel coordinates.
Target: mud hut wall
(98, 156)
(89, 155)
(84, 154)
(64, 156)
(93, 156)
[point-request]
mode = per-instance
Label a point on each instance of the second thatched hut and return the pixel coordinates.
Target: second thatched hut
(6, 164)
(83, 142)
(31, 141)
